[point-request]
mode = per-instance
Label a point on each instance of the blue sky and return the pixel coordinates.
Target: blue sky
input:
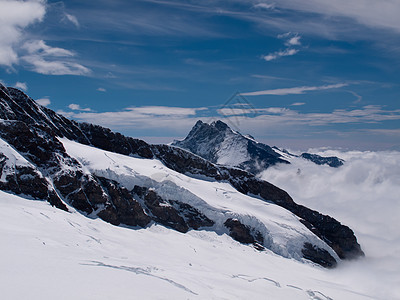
(308, 73)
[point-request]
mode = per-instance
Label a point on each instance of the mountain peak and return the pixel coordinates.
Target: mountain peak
(218, 143)
(221, 126)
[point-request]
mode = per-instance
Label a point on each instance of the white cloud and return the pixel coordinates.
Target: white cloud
(48, 60)
(165, 110)
(247, 111)
(362, 194)
(15, 17)
(43, 101)
(295, 90)
(72, 19)
(101, 89)
(39, 47)
(21, 85)
(74, 106)
(276, 55)
(280, 121)
(383, 13)
(161, 118)
(282, 118)
(297, 104)
(42, 66)
(265, 6)
(293, 41)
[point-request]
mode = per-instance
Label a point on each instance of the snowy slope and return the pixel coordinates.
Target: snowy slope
(282, 231)
(47, 253)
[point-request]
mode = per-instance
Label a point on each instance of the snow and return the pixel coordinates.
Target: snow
(13, 159)
(233, 150)
(47, 253)
(283, 233)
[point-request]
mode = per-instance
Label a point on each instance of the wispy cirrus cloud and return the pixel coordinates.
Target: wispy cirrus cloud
(295, 90)
(165, 110)
(39, 47)
(72, 19)
(266, 6)
(291, 40)
(280, 121)
(388, 132)
(382, 13)
(288, 118)
(48, 60)
(278, 54)
(176, 119)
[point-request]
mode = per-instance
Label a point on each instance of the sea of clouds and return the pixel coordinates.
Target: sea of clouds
(363, 194)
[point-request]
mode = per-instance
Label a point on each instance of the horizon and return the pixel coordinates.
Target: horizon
(292, 74)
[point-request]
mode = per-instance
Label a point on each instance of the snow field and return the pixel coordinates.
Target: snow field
(47, 253)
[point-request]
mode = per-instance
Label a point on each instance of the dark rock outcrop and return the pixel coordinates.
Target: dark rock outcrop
(244, 234)
(27, 181)
(331, 161)
(177, 215)
(318, 255)
(121, 207)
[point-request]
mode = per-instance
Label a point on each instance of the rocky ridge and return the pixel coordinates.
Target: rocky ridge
(218, 143)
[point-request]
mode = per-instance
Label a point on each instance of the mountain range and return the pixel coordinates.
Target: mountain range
(218, 143)
(125, 181)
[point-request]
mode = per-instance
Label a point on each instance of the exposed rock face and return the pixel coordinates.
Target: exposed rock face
(177, 215)
(331, 161)
(121, 207)
(28, 181)
(32, 130)
(219, 144)
(318, 255)
(242, 233)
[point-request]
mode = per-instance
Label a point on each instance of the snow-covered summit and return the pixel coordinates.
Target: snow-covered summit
(218, 143)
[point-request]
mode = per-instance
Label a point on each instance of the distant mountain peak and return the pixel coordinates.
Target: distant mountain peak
(220, 144)
(220, 125)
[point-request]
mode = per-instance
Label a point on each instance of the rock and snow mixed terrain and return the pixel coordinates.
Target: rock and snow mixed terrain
(218, 143)
(195, 229)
